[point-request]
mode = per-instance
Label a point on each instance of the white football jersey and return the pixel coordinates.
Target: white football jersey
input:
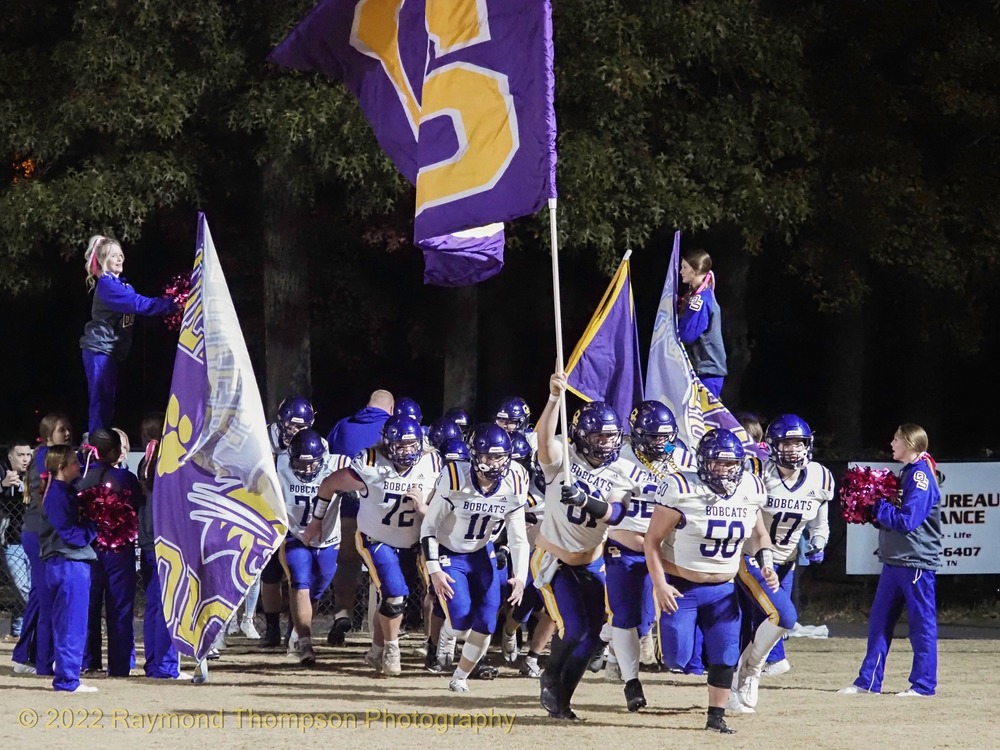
(709, 537)
(791, 508)
(573, 528)
(461, 517)
(643, 500)
(274, 436)
(385, 514)
(299, 497)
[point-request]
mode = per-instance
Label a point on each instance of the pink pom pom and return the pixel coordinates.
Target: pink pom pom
(862, 487)
(116, 520)
(179, 289)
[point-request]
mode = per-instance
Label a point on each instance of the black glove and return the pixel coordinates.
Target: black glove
(530, 518)
(503, 555)
(573, 495)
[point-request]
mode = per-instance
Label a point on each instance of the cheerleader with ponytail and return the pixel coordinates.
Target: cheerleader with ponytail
(909, 548)
(33, 652)
(108, 336)
(65, 544)
(700, 320)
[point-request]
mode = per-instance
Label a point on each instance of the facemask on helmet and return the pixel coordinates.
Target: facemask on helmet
(654, 430)
(294, 415)
(597, 433)
(306, 455)
(790, 442)
(491, 452)
(720, 461)
(402, 440)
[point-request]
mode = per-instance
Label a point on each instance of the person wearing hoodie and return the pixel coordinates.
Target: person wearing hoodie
(349, 437)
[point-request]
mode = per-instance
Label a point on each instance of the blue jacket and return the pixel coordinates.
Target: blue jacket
(700, 328)
(910, 535)
(353, 434)
(63, 533)
(113, 313)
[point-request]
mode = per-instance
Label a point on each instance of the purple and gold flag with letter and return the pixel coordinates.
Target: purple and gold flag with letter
(671, 379)
(460, 95)
(218, 515)
(605, 364)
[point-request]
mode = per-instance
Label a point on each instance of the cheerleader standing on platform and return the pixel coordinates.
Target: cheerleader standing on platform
(65, 543)
(700, 324)
(107, 337)
(113, 579)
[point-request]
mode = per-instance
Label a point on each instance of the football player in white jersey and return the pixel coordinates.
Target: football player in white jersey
(468, 503)
(311, 567)
(566, 565)
(394, 482)
(695, 536)
(531, 602)
(652, 450)
(295, 413)
(514, 415)
(798, 493)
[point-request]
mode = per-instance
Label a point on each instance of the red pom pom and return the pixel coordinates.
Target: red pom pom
(863, 486)
(178, 290)
(116, 520)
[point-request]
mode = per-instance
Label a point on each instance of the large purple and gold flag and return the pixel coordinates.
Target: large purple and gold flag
(460, 95)
(671, 379)
(218, 515)
(605, 364)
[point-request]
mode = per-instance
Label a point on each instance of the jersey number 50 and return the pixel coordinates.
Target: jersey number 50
(728, 546)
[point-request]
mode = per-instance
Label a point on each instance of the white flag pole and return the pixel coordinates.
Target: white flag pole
(560, 359)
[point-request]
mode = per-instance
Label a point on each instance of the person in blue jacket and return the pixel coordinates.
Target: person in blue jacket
(350, 436)
(65, 544)
(113, 575)
(108, 336)
(909, 546)
(700, 321)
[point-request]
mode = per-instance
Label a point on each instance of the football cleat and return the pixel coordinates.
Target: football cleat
(634, 697)
(458, 686)
(718, 724)
(774, 668)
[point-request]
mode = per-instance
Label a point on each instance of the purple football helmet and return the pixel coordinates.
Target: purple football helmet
(407, 407)
(443, 429)
(654, 430)
(306, 454)
(295, 413)
(513, 414)
(454, 449)
(720, 461)
(520, 448)
(459, 417)
(491, 451)
(403, 440)
(790, 441)
(597, 432)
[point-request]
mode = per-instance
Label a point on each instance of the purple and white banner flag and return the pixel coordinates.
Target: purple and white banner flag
(671, 379)
(460, 94)
(218, 514)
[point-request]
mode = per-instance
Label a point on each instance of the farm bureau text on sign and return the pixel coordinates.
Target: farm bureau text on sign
(970, 522)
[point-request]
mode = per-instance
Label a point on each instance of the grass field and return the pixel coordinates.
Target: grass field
(264, 700)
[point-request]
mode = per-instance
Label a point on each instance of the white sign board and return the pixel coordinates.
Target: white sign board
(970, 522)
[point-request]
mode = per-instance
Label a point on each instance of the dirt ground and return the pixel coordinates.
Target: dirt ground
(263, 700)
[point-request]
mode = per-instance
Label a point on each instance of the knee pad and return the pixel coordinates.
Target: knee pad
(392, 606)
(721, 676)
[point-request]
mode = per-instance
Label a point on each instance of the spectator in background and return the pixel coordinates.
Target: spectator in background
(33, 651)
(700, 322)
(349, 437)
(13, 473)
